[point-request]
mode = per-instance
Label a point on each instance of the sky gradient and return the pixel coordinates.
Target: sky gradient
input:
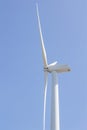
(64, 27)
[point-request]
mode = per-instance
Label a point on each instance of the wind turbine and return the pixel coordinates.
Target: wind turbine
(53, 69)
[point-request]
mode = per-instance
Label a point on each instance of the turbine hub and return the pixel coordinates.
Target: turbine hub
(46, 69)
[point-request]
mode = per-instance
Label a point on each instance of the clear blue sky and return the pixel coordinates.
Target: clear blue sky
(64, 26)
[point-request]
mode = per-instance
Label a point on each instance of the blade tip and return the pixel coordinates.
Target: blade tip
(36, 5)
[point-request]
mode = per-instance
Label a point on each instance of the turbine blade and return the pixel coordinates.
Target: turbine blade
(45, 95)
(52, 64)
(41, 37)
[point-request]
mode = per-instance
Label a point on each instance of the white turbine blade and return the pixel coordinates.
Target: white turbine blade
(41, 37)
(45, 95)
(52, 64)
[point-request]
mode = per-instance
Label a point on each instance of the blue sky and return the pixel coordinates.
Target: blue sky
(64, 26)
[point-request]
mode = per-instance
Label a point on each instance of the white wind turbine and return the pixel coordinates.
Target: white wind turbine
(53, 68)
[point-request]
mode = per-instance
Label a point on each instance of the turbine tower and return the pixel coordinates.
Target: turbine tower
(53, 69)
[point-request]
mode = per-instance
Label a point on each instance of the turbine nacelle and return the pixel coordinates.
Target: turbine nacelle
(57, 67)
